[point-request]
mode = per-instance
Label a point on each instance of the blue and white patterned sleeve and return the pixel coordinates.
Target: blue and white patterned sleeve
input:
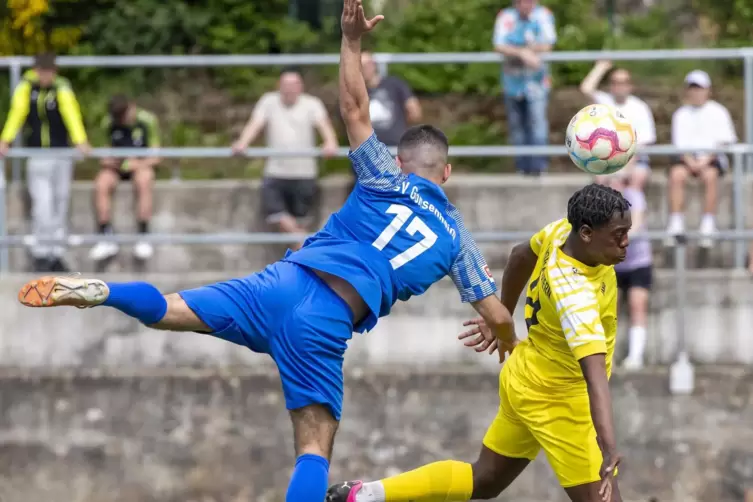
(470, 273)
(374, 166)
(547, 28)
(503, 25)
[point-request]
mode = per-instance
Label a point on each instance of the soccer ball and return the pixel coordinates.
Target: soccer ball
(600, 140)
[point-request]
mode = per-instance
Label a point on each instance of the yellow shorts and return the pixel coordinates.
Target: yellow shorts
(529, 420)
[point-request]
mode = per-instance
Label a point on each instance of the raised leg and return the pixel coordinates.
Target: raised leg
(179, 317)
(140, 300)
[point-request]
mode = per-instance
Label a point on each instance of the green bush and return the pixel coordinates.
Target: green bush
(264, 27)
(467, 26)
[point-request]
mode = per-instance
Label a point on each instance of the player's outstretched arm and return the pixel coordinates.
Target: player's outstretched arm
(354, 98)
(474, 281)
(594, 369)
(518, 271)
(501, 327)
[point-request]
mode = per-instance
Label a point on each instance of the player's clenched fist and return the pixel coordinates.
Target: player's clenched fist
(354, 22)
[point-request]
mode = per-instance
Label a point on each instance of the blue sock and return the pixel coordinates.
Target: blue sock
(309, 481)
(137, 299)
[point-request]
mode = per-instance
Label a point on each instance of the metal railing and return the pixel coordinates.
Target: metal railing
(17, 64)
(738, 153)
(680, 252)
(741, 153)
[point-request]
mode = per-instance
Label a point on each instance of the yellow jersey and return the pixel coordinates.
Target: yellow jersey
(571, 313)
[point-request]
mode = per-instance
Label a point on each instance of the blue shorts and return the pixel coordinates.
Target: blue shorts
(288, 312)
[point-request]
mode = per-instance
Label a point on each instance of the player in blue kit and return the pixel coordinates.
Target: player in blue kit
(395, 236)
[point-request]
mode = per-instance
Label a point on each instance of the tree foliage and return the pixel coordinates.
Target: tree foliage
(34, 26)
(111, 27)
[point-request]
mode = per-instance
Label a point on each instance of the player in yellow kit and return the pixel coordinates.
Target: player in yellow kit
(554, 388)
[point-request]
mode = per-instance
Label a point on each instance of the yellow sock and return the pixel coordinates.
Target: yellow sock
(446, 481)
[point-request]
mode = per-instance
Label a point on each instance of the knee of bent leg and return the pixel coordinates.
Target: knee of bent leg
(174, 301)
(179, 317)
(710, 175)
(105, 182)
(678, 174)
(314, 429)
(143, 179)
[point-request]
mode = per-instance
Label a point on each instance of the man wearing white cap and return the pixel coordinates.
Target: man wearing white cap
(701, 123)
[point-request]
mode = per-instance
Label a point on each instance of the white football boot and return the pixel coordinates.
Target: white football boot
(52, 291)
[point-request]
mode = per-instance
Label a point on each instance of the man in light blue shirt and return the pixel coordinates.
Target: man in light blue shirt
(521, 34)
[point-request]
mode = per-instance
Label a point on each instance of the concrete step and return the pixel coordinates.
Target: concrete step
(488, 203)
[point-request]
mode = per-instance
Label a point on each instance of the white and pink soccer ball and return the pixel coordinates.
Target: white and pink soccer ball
(600, 140)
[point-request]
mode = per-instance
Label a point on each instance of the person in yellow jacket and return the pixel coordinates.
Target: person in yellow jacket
(44, 106)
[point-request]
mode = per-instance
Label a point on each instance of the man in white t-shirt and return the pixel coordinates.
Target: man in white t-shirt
(620, 96)
(700, 123)
(291, 118)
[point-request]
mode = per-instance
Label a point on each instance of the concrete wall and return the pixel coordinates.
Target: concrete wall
(133, 428)
(198, 437)
(718, 317)
(488, 203)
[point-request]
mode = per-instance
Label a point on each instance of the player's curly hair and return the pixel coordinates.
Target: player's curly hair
(594, 205)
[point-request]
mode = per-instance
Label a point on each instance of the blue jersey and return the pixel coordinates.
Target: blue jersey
(395, 236)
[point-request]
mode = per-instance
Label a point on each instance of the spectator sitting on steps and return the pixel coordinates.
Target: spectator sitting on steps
(291, 119)
(700, 123)
(127, 126)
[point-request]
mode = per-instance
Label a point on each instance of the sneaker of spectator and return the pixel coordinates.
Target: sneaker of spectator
(521, 34)
(127, 126)
(620, 96)
(701, 123)
(291, 118)
(392, 105)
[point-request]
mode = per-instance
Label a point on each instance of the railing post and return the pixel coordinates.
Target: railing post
(15, 79)
(383, 66)
(738, 206)
(681, 373)
(748, 95)
(680, 297)
(4, 251)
